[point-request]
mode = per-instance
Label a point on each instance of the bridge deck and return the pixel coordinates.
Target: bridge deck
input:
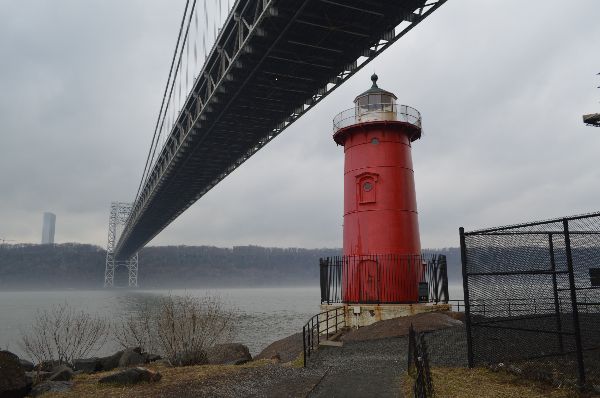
(272, 62)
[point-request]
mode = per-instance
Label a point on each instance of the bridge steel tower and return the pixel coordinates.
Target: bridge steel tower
(119, 213)
(382, 246)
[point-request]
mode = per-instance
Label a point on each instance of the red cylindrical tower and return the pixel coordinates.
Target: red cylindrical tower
(381, 230)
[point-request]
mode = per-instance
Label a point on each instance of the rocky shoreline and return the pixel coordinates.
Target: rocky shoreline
(20, 377)
(228, 370)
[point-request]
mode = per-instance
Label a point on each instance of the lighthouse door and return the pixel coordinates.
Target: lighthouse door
(369, 281)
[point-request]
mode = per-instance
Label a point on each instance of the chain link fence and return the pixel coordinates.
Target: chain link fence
(418, 365)
(532, 298)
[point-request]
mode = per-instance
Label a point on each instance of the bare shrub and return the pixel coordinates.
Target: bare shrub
(63, 333)
(137, 329)
(178, 328)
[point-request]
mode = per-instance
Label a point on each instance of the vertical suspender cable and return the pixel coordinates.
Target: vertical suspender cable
(156, 128)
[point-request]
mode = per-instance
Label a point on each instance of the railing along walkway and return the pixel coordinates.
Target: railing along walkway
(321, 327)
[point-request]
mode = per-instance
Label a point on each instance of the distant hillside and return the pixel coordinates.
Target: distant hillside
(79, 266)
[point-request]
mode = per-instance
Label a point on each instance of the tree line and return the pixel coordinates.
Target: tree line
(73, 265)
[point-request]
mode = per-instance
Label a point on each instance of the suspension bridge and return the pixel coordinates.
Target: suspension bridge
(241, 74)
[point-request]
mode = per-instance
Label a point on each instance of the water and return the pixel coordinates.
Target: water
(264, 314)
(456, 292)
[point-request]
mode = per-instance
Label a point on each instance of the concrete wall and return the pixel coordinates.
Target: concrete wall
(358, 315)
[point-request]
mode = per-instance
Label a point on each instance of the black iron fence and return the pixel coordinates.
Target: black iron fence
(321, 326)
(532, 298)
(386, 278)
(418, 365)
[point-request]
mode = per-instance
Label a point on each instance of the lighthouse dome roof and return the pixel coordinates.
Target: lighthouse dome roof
(376, 90)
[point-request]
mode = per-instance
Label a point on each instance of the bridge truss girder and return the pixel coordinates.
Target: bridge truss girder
(272, 62)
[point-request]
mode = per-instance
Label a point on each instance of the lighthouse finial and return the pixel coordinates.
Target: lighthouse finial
(374, 78)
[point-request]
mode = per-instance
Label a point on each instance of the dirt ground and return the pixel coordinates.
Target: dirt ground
(398, 327)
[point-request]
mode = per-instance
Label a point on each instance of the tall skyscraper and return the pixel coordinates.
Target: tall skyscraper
(48, 228)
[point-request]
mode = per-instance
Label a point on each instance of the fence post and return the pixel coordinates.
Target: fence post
(463, 256)
(304, 344)
(411, 332)
(555, 291)
(574, 308)
(318, 330)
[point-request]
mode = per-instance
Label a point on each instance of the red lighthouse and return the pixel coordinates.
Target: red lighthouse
(382, 249)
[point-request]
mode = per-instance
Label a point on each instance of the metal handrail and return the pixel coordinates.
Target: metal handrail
(314, 327)
(376, 112)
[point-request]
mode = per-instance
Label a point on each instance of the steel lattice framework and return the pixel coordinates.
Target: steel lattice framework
(119, 213)
(271, 63)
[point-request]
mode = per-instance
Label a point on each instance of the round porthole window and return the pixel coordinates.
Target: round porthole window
(367, 186)
(374, 141)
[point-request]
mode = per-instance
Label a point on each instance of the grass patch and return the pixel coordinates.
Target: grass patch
(298, 362)
(174, 379)
(483, 383)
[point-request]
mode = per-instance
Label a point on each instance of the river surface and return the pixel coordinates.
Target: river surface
(264, 314)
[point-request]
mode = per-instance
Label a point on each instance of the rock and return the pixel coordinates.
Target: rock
(13, 381)
(47, 366)
(27, 366)
(288, 348)
(276, 358)
(131, 357)
(163, 362)
(51, 386)
(131, 376)
(110, 362)
(89, 365)
(37, 376)
(151, 357)
(189, 359)
(228, 354)
(515, 370)
(61, 373)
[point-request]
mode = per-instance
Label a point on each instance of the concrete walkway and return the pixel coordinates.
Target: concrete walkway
(373, 368)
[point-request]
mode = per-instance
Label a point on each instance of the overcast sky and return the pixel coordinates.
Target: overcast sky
(501, 86)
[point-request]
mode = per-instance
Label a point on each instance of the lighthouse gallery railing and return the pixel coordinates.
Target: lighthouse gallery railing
(376, 112)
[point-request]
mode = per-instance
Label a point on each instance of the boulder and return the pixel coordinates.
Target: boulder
(288, 348)
(131, 357)
(228, 354)
(13, 381)
(48, 366)
(88, 365)
(27, 365)
(51, 386)
(163, 362)
(189, 359)
(131, 376)
(151, 357)
(61, 373)
(110, 362)
(37, 375)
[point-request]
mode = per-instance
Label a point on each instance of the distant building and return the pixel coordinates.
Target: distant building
(48, 228)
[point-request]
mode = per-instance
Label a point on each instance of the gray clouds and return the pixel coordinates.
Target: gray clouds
(501, 86)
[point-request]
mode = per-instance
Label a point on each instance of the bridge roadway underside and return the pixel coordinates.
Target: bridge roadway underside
(273, 61)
